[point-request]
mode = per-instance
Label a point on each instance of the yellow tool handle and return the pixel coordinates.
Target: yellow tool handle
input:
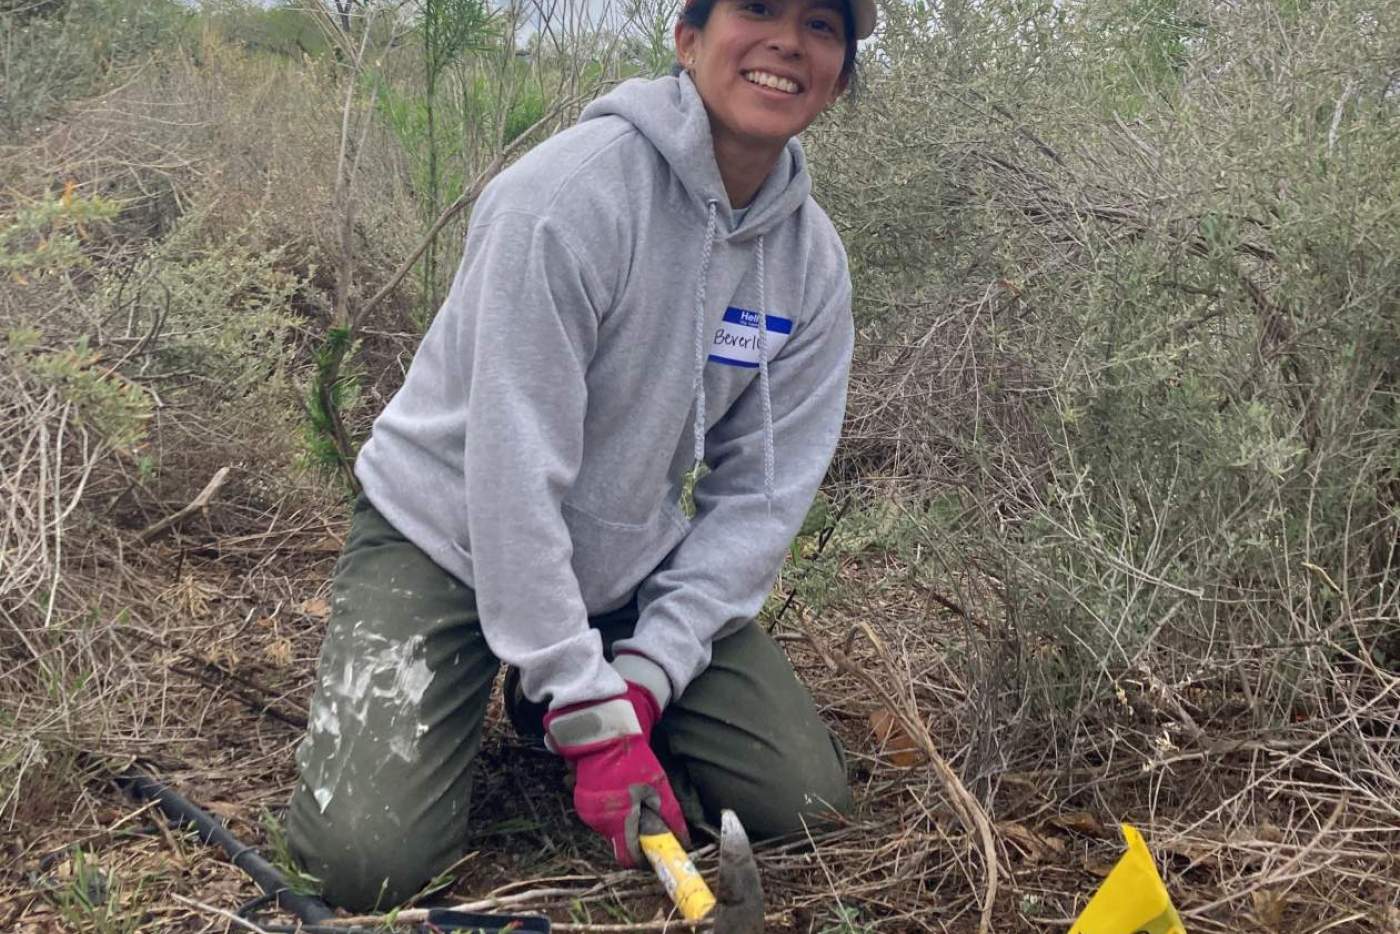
(678, 874)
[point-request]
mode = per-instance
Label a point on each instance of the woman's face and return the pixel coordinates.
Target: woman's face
(766, 68)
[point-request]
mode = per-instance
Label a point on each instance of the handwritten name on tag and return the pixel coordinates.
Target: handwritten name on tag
(735, 341)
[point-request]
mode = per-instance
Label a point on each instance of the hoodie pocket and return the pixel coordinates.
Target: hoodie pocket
(612, 558)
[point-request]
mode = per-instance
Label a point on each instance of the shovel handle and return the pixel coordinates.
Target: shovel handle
(673, 867)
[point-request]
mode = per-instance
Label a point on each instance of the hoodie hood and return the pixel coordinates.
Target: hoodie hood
(673, 118)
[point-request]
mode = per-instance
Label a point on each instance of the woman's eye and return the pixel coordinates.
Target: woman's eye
(755, 6)
(822, 25)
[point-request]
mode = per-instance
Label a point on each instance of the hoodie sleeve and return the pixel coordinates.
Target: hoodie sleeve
(721, 573)
(527, 328)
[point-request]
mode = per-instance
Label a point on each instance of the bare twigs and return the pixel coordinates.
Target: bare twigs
(44, 488)
(199, 504)
(1284, 872)
(47, 458)
(970, 811)
(531, 899)
(420, 916)
(340, 339)
(346, 170)
(665, 924)
(228, 916)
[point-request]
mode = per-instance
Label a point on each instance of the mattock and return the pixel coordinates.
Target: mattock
(737, 902)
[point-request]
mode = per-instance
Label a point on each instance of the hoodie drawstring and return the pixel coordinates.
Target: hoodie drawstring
(763, 378)
(698, 386)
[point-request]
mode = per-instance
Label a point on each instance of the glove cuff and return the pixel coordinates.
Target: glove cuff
(580, 727)
(638, 669)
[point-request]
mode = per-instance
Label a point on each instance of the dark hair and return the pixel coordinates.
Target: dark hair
(697, 14)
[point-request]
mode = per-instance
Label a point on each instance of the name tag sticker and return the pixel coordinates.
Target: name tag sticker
(735, 341)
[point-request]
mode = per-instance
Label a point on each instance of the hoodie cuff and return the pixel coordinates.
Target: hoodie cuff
(643, 671)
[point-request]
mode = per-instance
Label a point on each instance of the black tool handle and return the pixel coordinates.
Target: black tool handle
(266, 875)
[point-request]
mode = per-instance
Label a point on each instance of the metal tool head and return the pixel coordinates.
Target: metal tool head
(738, 892)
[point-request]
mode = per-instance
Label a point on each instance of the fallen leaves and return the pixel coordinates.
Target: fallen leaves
(1036, 847)
(330, 544)
(1388, 917)
(190, 596)
(220, 655)
(896, 746)
(279, 653)
(317, 608)
(1081, 822)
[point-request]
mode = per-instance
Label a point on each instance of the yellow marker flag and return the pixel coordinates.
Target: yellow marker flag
(1133, 899)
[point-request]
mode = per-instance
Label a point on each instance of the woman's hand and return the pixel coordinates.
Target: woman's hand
(608, 744)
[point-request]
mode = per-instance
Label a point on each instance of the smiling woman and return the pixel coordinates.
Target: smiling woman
(765, 70)
(857, 15)
(649, 293)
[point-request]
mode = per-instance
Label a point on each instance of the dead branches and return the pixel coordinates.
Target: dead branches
(46, 458)
(199, 504)
(969, 809)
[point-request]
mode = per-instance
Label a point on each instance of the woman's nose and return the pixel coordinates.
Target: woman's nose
(786, 40)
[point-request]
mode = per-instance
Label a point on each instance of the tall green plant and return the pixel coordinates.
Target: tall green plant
(448, 30)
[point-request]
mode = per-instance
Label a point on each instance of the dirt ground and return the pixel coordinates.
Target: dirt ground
(228, 654)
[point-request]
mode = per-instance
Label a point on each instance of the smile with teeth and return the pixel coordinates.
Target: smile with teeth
(767, 80)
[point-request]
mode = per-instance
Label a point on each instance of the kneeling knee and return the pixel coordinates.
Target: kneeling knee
(797, 809)
(360, 867)
(360, 877)
(785, 800)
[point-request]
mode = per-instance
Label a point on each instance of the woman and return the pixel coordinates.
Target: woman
(646, 292)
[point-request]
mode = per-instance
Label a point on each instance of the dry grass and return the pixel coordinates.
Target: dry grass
(1266, 786)
(1294, 830)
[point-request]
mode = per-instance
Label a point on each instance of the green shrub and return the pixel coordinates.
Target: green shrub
(68, 50)
(42, 242)
(45, 236)
(285, 29)
(225, 306)
(1139, 303)
(103, 400)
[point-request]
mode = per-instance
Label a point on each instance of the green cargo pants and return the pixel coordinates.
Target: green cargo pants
(396, 721)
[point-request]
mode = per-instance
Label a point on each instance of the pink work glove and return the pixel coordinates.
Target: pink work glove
(608, 744)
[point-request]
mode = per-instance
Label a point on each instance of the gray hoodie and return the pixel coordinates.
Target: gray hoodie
(540, 442)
